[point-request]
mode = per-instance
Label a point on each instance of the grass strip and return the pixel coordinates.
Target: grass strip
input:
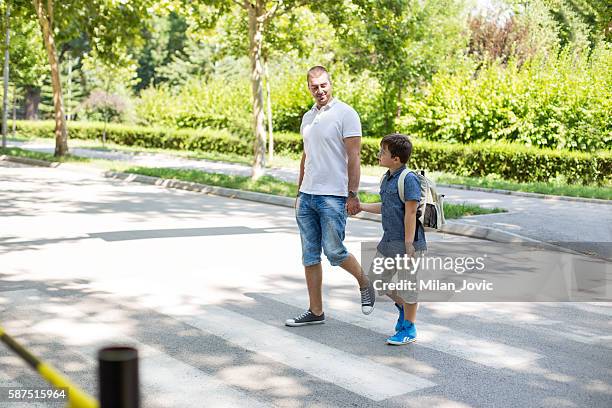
(553, 188)
(18, 152)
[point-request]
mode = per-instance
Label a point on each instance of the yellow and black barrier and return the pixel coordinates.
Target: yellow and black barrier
(118, 376)
(76, 397)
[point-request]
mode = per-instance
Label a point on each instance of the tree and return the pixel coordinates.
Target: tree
(401, 42)
(28, 63)
(6, 74)
(45, 19)
(294, 32)
(260, 14)
(582, 22)
(108, 27)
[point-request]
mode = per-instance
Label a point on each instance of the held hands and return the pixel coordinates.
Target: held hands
(353, 206)
(410, 251)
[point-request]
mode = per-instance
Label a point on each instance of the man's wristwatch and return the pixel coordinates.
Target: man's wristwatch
(352, 194)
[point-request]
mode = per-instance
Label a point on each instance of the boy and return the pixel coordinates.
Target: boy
(403, 233)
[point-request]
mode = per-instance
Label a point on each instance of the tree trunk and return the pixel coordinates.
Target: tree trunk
(45, 18)
(256, 28)
(14, 110)
(269, 112)
(69, 109)
(31, 101)
(6, 75)
(399, 105)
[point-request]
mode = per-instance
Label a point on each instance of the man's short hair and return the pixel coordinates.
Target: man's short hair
(398, 145)
(316, 71)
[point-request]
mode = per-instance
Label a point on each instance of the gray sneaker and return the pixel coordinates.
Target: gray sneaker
(305, 318)
(368, 298)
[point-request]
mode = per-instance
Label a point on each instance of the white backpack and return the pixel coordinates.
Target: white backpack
(430, 211)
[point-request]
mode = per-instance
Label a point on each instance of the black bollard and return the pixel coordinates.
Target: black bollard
(118, 375)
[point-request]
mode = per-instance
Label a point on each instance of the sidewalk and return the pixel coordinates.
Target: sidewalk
(580, 225)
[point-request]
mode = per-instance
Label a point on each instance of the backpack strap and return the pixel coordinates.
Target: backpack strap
(400, 184)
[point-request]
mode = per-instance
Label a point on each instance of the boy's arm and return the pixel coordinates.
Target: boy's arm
(410, 225)
(371, 208)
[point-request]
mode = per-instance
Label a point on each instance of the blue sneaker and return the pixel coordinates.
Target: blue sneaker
(407, 334)
(400, 319)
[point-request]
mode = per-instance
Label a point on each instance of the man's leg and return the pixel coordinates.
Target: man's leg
(351, 265)
(314, 281)
(333, 224)
(310, 234)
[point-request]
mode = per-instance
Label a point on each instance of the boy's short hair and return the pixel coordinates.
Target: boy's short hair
(398, 145)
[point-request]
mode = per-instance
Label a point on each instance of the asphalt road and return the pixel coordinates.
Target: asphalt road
(201, 285)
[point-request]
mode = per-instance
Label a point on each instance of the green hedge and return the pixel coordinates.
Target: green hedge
(561, 102)
(511, 162)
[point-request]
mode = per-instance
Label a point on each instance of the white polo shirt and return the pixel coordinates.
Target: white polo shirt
(324, 131)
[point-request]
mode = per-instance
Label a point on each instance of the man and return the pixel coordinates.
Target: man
(327, 193)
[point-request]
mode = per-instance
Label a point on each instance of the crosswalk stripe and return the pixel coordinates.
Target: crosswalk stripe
(165, 381)
(597, 308)
(436, 337)
(326, 363)
(329, 364)
(511, 314)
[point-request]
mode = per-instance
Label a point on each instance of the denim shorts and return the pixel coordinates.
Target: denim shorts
(322, 221)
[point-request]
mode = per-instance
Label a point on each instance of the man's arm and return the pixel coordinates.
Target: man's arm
(301, 177)
(410, 225)
(353, 151)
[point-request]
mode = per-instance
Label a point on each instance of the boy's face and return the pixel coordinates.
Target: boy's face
(385, 159)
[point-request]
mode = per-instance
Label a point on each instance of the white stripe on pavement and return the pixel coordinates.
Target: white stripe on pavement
(165, 381)
(602, 308)
(329, 364)
(534, 320)
(439, 338)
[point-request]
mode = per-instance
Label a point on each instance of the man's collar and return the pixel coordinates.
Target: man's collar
(326, 107)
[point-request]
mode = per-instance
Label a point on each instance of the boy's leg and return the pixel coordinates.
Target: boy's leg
(314, 281)
(410, 311)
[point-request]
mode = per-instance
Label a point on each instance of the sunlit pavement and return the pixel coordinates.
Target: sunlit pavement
(201, 285)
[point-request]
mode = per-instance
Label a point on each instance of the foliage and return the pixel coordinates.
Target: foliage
(218, 103)
(558, 103)
(28, 60)
(104, 107)
(401, 42)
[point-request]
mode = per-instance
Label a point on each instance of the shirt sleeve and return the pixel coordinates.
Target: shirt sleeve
(351, 124)
(412, 188)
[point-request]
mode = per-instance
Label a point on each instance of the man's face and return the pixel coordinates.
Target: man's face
(320, 88)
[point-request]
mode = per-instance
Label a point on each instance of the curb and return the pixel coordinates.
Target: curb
(527, 194)
(27, 160)
(451, 227)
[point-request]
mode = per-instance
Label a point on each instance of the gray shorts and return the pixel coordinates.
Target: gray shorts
(389, 277)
